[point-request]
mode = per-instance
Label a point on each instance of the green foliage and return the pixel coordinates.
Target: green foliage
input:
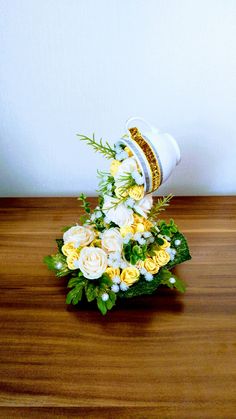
(76, 293)
(182, 251)
(58, 264)
(160, 205)
(100, 146)
(178, 284)
(134, 252)
(167, 229)
(64, 229)
(85, 204)
(106, 305)
(60, 243)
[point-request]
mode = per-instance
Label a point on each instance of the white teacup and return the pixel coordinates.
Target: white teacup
(157, 153)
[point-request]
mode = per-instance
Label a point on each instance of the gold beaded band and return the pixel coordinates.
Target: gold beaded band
(151, 156)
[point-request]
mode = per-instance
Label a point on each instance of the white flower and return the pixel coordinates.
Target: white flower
(116, 279)
(92, 262)
(79, 236)
(127, 166)
(144, 205)
(115, 288)
(123, 286)
(177, 242)
(105, 296)
(172, 280)
(148, 277)
(118, 214)
(112, 240)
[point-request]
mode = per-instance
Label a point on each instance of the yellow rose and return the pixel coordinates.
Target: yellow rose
(128, 151)
(161, 257)
(126, 230)
(68, 248)
(139, 228)
(114, 167)
(71, 259)
(150, 265)
(148, 225)
(136, 192)
(96, 243)
(138, 219)
(112, 272)
(120, 192)
(130, 275)
(165, 244)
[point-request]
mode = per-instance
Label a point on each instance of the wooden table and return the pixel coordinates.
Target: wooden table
(163, 356)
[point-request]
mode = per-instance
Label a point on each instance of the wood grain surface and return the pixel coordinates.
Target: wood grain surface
(161, 356)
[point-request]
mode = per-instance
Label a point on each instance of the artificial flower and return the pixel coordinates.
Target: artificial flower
(112, 272)
(130, 275)
(111, 240)
(117, 213)
(144, 205)
(150, 265)
(127, 230)
(72, 260)
(68, 248)
(92, 262)
(114, 167)
(136, 192)
(79, 236)
(161, 257)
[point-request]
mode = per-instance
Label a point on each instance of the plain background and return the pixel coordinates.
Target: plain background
(85, 66)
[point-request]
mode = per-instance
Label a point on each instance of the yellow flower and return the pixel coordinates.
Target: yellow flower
(71, 258)
(126, 230)
(138, 219)
(148, 224)
(130, 275)
(112, 272)
(139, 228)
(114, 167)
(161, 257)
(68, 248)
(96, 243)
(128, 151)
(120, 192)
(150, 265)
(136, 192)
(165, 244)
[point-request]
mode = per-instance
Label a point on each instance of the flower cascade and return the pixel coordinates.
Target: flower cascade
(121, 249)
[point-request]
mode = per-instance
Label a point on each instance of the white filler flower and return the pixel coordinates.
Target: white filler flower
(92, 262)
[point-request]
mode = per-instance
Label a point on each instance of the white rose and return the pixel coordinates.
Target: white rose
(79, 236)
(144, 205)
(112, 240)
(92, 262)
(127, 166)
(118, 214)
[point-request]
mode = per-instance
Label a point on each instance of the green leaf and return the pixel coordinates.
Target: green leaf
(182, 251)
(60, 243)
(90, 292)
(58, 264)
(102, 306)
(75, 281)
(100, 146)
(75, 295)
(105, 280)
(178, 284)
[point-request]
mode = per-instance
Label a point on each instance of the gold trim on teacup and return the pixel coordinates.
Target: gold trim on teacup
(152, 158)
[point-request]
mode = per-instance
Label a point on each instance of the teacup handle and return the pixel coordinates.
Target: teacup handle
(132, 122)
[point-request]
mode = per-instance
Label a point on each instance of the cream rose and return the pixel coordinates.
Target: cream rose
(117, 213)
(79, 236)
(112, 240)
(92, 262)
(144, 205)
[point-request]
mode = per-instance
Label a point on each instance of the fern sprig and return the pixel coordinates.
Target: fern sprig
(159, 206)
(99, 146)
